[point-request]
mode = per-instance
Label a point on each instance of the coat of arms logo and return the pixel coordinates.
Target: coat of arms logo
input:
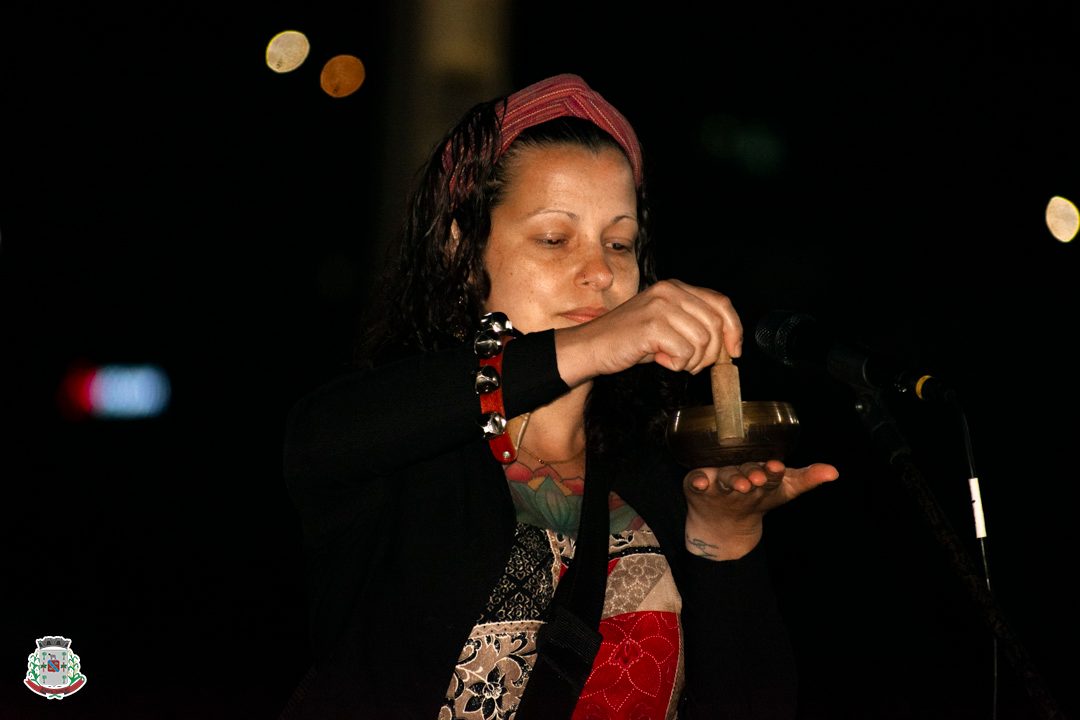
(53, 669)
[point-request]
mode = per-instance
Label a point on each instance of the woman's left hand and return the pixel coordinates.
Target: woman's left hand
(725, 505)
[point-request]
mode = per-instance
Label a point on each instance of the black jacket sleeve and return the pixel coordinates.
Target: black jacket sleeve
(739, 660)
(369, 424)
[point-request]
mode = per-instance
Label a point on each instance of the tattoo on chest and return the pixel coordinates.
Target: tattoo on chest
(545, 498)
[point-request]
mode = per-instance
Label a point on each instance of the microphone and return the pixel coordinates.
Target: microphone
(796, 340)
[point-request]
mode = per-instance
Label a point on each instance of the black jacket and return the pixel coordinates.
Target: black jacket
(407, 523)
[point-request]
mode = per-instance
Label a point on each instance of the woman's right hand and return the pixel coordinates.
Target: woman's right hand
(679, 326)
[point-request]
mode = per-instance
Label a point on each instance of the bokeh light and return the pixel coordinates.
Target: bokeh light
(116, 391)
(342, 75)
(287, 51)
(1062, 218)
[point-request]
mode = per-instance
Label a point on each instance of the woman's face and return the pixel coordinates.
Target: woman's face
(561, 249)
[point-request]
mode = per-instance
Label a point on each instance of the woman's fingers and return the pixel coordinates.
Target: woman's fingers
(690, 325)
(716, 312)
(747, 477)
(678, 326)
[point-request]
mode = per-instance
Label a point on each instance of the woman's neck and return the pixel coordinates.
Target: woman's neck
(555, 430)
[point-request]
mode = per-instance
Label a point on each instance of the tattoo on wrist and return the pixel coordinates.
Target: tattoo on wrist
(702, 548)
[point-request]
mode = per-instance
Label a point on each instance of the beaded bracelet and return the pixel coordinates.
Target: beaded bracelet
(495, 332)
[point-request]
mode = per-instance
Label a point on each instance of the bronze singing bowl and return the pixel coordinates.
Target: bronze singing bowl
(770, 428)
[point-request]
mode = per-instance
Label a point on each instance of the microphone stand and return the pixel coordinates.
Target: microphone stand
(886, 436)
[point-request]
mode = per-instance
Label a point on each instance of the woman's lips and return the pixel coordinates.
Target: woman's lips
(582, 315)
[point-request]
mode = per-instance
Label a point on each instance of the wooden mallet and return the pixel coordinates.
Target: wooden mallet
(727, 399)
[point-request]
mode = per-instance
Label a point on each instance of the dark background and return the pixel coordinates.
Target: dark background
(882, 167)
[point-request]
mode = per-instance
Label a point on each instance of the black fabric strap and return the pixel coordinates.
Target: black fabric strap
(291, 711)
(569, 640)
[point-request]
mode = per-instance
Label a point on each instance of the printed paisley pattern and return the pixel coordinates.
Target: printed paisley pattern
(638, 673)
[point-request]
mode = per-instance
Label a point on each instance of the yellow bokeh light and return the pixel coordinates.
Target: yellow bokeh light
(287, 51)
(1062, 218)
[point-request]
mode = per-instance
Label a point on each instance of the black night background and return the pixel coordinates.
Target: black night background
(883, 167)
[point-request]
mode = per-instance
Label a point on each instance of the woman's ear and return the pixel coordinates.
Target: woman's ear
(455, 237)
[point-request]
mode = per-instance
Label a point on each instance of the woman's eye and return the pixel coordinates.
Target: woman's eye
(620, 246)
(552, 241)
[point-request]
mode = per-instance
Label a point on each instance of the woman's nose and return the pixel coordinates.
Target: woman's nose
(595, 270)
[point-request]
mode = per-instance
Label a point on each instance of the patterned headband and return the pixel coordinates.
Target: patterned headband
(568, 95)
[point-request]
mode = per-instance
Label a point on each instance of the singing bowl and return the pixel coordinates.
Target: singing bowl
(770, 428)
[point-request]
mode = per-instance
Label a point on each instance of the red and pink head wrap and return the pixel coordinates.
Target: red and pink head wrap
(562, 96)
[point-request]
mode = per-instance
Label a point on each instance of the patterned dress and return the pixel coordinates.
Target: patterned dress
(638, 672)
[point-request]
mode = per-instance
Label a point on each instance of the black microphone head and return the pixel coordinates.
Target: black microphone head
(797, 341)
(791, 338)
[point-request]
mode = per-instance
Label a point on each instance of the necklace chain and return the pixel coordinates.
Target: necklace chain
(542, 461)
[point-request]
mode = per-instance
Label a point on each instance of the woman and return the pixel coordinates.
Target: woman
(468, 568)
